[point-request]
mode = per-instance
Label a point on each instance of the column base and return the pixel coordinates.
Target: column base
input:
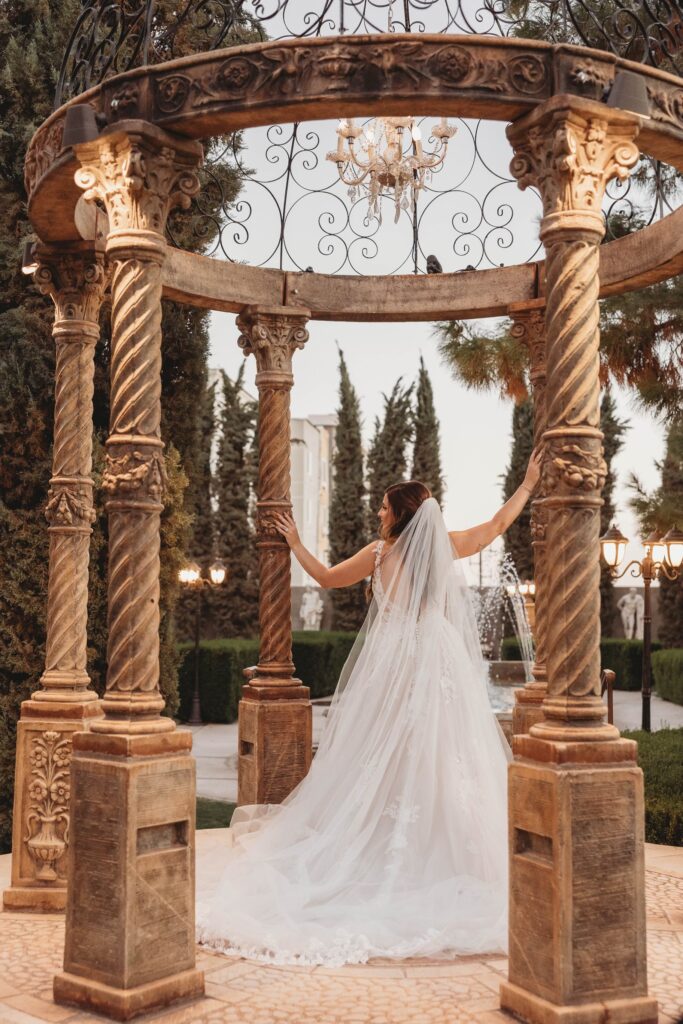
(534, 1010)
(130, 929)
(577, 884)
(39, 843)
(275, 740)
(70, 990)
(527, 709)
(37, 900)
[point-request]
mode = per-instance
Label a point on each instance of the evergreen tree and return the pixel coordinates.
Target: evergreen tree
(33, 37)
(347, 505)
(614, 429)
(660, 511)
(517, 537)
(387, 463)
(426, 445)
(202, 546)
(236, 603)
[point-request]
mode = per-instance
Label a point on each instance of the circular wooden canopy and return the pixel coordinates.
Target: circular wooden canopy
(260, 84)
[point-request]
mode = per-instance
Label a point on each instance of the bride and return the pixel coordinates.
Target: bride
(395, 843)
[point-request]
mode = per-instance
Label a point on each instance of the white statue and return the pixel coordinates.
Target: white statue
(311, 610)
(631, 607)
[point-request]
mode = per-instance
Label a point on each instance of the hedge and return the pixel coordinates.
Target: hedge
(624, 657)
(660, 755)
(667, 670)
(318, 657)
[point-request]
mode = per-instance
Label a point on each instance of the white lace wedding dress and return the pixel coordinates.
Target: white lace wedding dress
(395, 844)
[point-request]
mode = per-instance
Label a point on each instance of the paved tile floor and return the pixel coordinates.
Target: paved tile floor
(215, 746)
(462, 991)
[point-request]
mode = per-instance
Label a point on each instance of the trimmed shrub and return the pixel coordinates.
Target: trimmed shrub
(624, 657)
(318, 657)
(667, 670)
(660, 755)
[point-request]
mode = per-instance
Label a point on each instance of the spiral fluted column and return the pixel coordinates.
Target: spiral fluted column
(133, 778)
(275, 721)
(577, 907)
(75, 278)
(528, 327)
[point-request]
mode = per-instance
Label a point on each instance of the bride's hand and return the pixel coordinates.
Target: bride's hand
(287, 527)
(533, 470)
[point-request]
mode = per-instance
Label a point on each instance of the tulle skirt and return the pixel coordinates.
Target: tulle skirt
(395, 844)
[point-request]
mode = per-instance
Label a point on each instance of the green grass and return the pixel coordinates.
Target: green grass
(213, 813)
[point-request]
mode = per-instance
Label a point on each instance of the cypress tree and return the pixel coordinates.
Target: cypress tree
(33, 37)
(387, 462)
(347, 505)
(426, 445)
(236, 603)
(517, 537)
(614, 429)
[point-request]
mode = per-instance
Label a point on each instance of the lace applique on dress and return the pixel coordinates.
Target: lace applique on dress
(377, 589)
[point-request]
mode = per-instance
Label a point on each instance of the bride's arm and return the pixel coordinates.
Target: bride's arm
(352, 570)
(470, 542)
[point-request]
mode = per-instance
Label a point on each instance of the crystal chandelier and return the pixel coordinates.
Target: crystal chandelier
(376, 161)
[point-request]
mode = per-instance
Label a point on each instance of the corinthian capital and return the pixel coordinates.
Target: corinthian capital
(75, 281)
(569, 150)
(140, 175)
(272, 335)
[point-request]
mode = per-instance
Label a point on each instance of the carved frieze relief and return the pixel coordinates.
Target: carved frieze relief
(573, 466)
(45, 147)
(666, 105)
(135, 474)
(286, 70)
(47, 818)
(68, 506)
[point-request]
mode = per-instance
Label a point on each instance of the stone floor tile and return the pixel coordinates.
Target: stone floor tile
(10, 1015)
(6, 989)
(225, 993)
(41, 1008)
(228, 972)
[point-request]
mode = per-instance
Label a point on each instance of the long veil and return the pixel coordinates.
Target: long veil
(395, 842)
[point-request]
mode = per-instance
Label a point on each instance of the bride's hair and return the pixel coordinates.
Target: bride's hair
(404, 501)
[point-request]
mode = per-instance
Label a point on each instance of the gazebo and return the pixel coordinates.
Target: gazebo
(122, 149)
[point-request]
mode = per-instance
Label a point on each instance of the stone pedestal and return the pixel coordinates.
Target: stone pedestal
(130, 936)
(41, 803)
(528, 708)
(577, 911)
(275, 741)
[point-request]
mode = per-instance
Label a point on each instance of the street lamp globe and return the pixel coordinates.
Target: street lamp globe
(189, 574)
(656, 546)
(217, 573)
(613, 545)
(674, 547)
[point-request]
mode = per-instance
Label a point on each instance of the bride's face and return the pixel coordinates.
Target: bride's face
(386, 516)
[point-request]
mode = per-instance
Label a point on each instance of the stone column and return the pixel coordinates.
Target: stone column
(577, 907)
(74, 277)
(275, 720)
(528, 325)
(129, 942)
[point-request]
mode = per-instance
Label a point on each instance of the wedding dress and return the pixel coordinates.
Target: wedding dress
(395, 843)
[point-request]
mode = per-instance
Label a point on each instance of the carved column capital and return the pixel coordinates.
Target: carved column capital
(272, 336)
(76, 282)
(569, 150)
(139, 174)
(528, 327)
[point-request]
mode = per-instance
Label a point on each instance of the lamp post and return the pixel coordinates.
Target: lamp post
(663, 556)
(191, 576)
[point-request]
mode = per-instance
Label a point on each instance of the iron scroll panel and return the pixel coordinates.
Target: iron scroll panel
(112, 36)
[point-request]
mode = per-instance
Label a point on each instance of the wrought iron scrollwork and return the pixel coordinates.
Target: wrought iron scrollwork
(112, 36)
